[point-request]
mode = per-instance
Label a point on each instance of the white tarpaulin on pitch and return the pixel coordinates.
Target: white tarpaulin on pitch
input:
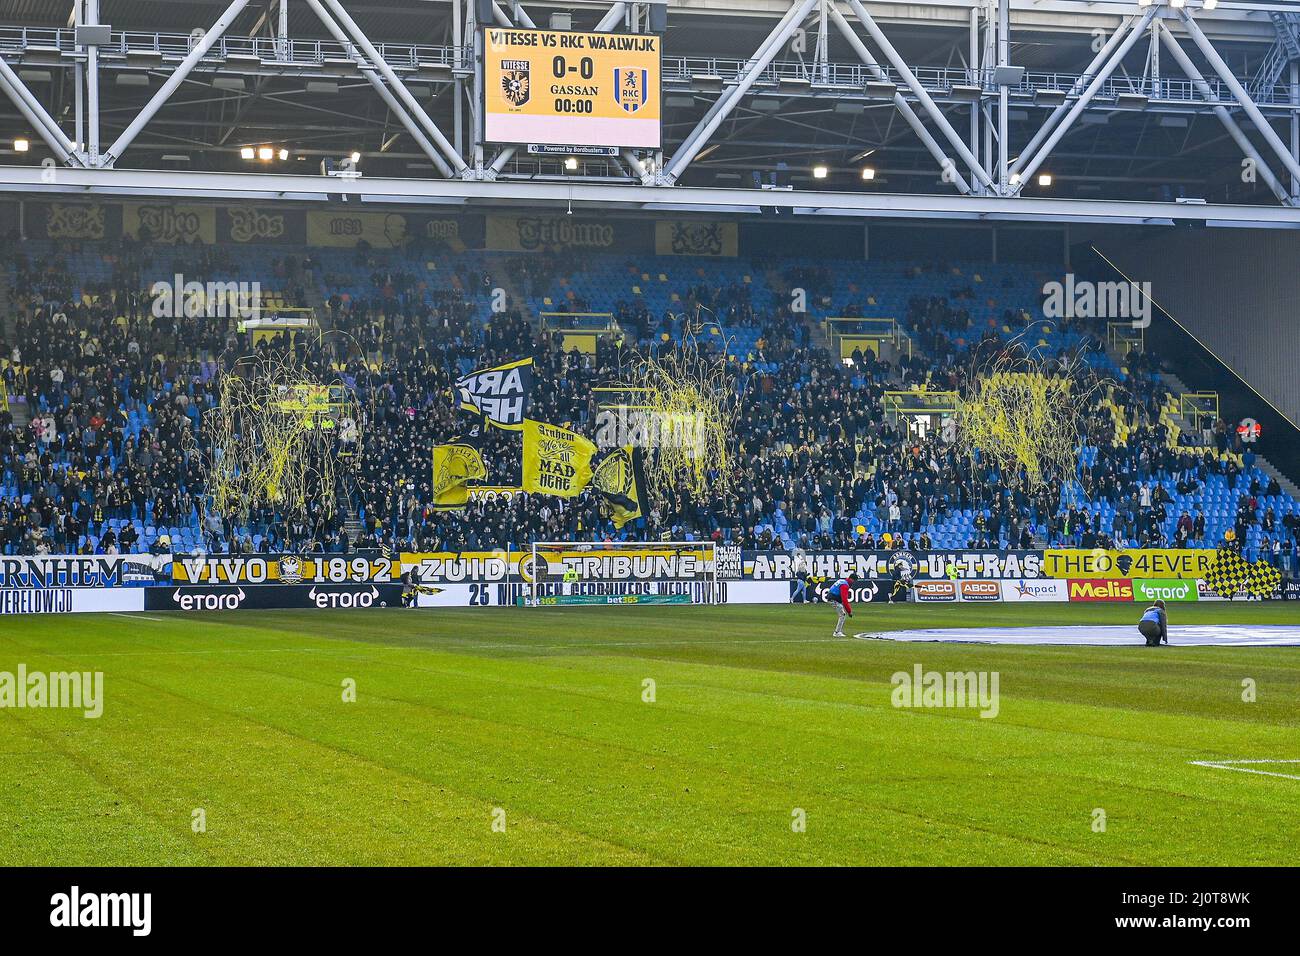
(1199, 635)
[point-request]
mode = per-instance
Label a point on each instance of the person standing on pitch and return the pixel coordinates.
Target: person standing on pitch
(802, 575)
(839, 593)
(1154, 626)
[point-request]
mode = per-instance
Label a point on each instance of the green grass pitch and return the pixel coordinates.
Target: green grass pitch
(536, 718)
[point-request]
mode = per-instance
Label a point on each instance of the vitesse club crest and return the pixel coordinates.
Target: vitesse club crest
(630, 87)
(290, 570)
(514, 81)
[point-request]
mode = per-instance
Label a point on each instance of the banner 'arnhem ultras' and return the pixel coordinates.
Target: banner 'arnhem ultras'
(780, 565)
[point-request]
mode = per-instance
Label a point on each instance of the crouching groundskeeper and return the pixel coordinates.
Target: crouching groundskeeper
(1154, 626)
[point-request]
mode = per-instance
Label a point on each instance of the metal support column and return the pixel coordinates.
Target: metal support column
(457, 82)
(821, 55)
(1295, 126)
(986, 65)
(92, 89)
(976, 79)
(1154, 65)
(78, 83)
(1004, 59)
(474, 39)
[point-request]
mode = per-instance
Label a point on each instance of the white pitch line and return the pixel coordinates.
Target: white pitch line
(1227, 765)
(532, 646)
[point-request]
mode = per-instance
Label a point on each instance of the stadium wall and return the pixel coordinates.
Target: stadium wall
(527, 230)
(1234, 290)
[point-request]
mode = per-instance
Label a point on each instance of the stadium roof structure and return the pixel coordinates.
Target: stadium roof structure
(1137, 111)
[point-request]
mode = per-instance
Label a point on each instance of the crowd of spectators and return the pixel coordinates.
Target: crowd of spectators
(114, 394)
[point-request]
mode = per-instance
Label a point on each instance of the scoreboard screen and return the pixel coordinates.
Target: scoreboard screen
(559, 88)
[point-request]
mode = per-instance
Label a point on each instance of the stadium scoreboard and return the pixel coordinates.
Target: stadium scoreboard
(558, 88)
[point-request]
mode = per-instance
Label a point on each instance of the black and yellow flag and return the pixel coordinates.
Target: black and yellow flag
(454, 465)
(499, 394)
(1231, 573)
(620, 481)
(557, 461)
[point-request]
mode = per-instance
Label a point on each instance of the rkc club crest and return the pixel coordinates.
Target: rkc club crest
(630, 87)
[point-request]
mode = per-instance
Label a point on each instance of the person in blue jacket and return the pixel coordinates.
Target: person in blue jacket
(1154, 626)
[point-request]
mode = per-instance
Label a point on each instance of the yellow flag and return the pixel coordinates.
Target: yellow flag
(454, 464)
(556, 461)
(621, 484)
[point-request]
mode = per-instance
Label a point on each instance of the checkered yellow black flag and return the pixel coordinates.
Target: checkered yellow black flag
(1231, 573)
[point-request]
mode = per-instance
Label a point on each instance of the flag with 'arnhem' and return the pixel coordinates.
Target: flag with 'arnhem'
(500, 394)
